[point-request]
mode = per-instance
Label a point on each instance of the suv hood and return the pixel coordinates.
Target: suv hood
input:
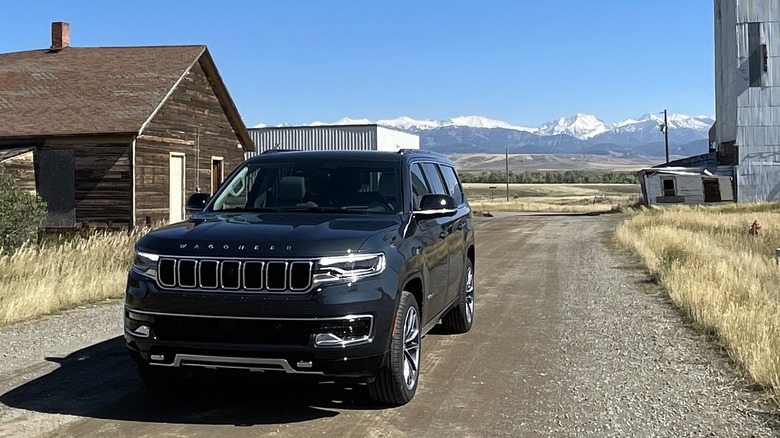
(280, 235)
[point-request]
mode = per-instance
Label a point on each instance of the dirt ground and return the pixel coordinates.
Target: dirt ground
(570, 340)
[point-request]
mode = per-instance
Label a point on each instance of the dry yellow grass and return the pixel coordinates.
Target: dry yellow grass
(37, 281)
(726, 279)
(581, 198)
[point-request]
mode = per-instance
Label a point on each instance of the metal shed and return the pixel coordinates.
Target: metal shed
(685, 185)
(332, 137)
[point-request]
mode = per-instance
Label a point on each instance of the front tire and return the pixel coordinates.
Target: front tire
(396, 382)
(461, 317)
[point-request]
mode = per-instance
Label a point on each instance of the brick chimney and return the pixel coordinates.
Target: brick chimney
(60, 35)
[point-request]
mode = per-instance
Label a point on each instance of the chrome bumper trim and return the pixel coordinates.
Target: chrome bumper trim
(237, 363)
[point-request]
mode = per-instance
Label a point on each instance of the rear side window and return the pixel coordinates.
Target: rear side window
(434, 178)
(453, 185)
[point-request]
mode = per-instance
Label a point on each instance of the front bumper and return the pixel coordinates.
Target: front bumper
(333, 331)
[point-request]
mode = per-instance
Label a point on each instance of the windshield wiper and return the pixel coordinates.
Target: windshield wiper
(245, 210)
(318, 210)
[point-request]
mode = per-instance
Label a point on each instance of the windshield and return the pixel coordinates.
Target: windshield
(312, 185)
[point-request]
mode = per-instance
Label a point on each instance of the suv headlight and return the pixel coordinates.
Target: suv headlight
(349, 268)
(145, 263)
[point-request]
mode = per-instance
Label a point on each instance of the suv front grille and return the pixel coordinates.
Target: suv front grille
(234, 275)
(226, 330)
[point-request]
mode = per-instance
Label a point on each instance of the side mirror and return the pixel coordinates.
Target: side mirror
(196, 202)
(437, 206)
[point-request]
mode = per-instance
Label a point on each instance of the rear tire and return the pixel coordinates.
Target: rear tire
(461, 317)
(396, 382)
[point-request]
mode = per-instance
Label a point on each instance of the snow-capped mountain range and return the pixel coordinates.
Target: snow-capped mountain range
(581, 133)
(580, 126)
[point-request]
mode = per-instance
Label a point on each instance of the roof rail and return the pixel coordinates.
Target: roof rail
(273, 151)
(423, 151)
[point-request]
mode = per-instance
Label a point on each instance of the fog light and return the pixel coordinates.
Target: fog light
(327, 339)
(142, 331)
(136, 328)
(344, 332)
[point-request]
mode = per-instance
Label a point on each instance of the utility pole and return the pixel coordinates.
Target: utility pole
(507, 174)
(666, 137)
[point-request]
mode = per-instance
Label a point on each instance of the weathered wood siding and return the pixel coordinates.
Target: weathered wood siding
(192, 108)
(103, 191)
(22, 169)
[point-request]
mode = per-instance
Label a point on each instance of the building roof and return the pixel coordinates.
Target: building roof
(709, 159)
(98, 90)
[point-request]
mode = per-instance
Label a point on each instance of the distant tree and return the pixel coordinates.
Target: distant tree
(21, 213)
(550, 177)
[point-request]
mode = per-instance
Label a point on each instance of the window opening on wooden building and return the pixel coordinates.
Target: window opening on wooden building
(668, 187)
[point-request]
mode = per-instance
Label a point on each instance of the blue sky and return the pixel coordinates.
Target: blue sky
(522, 61)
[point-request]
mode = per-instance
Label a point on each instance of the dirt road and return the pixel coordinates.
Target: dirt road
(569, 340)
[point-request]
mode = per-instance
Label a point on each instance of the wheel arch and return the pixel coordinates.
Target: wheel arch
(414, 285)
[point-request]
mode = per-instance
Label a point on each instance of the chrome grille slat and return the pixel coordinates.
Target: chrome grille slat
(276, 276)
(167, 270)
(270, 276)
(299, 270)
(230, 274)
(210, 270)
(184, 280)
(252, 275)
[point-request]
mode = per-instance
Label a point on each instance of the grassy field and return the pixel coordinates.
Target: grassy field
(64, 274)
(724, 278)
(552, 162)
(552, 197)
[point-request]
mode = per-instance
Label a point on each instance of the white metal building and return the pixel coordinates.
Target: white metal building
(747, 95)
(332, 137)
(684, 185)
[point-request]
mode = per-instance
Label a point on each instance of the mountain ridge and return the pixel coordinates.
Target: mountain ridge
(577, 134)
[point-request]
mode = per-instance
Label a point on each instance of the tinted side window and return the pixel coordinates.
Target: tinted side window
(453, 185)
(419, 186)
(434, 178)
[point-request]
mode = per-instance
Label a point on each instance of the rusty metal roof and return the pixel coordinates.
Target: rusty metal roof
(97, 90)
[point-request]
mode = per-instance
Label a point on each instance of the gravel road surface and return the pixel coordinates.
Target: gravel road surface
(570, 340)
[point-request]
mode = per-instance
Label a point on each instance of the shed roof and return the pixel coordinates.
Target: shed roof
(98, 90)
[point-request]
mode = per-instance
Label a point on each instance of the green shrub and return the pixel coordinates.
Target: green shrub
(21, 213)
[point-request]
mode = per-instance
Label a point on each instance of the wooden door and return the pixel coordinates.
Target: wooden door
(217, 173)
(711, 190)
(176, 197)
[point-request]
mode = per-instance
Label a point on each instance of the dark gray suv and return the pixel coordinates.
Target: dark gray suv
(324, 264)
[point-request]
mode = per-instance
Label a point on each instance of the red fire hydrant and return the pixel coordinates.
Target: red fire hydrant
(755, 228)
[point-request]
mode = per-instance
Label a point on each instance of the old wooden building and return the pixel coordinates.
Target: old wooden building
(116, 136)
